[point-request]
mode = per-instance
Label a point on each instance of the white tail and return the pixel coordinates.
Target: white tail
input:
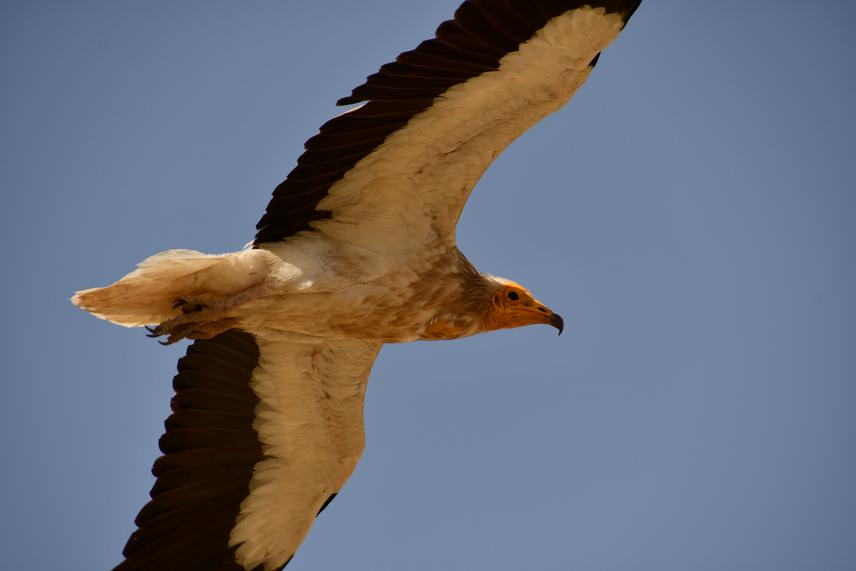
(147, 295)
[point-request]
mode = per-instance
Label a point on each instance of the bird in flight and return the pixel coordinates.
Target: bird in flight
(356, 249)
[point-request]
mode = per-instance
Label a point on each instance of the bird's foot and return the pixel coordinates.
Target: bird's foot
(203, 320)
(201, 324)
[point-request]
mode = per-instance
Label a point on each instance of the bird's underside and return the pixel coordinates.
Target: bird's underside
(356, 249)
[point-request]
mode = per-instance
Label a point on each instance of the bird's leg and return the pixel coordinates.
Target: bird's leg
(212, 328)
(200, 320)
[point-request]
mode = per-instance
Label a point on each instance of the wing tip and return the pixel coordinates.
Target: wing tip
(349, 100)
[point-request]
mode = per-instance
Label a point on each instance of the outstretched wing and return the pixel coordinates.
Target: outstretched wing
(263, 434)
(396, 172)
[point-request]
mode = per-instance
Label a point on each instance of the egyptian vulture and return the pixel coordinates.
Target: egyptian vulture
(356, 249)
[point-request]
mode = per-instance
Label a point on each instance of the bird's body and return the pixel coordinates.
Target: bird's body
(399, 305)
(442, 297)
(357, 249)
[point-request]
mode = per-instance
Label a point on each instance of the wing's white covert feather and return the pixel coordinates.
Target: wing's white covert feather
(410, 191)
(310, 422)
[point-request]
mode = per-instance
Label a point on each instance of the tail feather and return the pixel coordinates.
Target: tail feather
(147, 295)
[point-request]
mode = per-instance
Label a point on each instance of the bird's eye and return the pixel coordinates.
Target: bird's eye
(513, 295)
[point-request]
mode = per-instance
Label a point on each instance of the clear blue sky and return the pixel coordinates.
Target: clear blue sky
(691, 213)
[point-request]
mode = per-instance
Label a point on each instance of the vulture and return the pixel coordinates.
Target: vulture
(355, 249)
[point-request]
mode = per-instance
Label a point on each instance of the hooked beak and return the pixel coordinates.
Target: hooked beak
(557, 322)
(544, 314)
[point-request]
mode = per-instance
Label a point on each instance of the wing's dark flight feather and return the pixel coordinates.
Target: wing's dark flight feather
(210, 449)
(477, 21)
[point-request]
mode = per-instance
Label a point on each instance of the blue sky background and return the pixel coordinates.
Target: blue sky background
(691, 213)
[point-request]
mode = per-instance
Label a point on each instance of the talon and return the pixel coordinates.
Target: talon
(153, 331)
(174, 337)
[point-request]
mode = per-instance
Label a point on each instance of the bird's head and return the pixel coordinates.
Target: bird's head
(512, 305)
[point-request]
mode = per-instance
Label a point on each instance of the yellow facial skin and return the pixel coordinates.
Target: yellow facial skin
(513, 306)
